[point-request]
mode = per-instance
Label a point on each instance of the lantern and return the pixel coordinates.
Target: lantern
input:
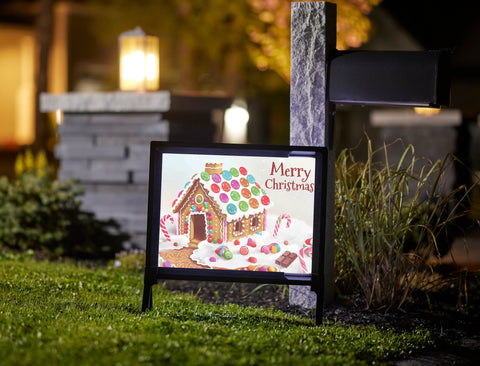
(139, 61)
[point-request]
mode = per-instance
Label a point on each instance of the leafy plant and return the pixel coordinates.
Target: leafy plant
(41, 214)
(30, 163)
(390, 219)
(130, 261)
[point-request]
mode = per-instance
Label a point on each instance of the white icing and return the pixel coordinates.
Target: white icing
(217, 162)
(181, 240)
(296, 235)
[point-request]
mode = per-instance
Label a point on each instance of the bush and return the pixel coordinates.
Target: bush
(130, 261)
(41, 214)
(389, 220)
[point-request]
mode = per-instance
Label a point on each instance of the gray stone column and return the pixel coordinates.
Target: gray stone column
(313, 37)
(104, 142)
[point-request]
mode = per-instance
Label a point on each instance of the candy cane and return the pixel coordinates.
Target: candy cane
(305, 251)
(279, 220)
(308, 243)
(163, 226)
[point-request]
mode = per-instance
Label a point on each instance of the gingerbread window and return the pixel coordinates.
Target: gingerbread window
(255, 223)
(238, 228)
(199, 198)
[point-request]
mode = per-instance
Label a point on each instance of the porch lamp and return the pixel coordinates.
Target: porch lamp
(139, 61)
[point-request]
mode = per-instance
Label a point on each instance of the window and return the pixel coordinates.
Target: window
(17, 88)
(255, 223)
(238, 227)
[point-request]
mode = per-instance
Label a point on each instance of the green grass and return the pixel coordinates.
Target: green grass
(63, 314)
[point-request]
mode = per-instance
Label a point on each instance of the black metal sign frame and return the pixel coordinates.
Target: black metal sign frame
(155, 273)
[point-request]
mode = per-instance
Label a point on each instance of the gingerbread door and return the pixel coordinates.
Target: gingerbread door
(198, 230)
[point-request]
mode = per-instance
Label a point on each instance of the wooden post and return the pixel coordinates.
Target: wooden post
(313, 38)
(44, 25)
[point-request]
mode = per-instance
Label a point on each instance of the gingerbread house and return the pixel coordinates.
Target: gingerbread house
(221, 205)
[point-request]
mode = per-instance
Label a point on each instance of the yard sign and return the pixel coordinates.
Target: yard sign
(241, 213)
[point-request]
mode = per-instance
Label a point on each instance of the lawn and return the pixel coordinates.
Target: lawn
(61, 313)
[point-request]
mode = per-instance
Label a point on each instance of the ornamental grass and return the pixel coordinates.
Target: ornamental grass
(389, 220)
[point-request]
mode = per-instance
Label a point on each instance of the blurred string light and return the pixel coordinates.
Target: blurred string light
(236, 122)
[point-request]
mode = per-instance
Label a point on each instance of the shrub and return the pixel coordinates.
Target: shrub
(41, 214)
(130, 261)
(389, 220)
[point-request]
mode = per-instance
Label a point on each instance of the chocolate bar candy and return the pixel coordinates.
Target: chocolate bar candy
(286, 259)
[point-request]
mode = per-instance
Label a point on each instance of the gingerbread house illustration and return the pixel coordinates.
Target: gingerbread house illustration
(221, 205)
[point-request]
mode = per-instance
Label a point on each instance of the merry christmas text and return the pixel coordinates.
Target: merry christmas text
(286, 184)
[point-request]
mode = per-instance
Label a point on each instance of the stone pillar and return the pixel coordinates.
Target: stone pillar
(313, 37)
(104, 142)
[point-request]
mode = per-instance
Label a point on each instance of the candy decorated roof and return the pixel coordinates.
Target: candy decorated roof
(235, 191)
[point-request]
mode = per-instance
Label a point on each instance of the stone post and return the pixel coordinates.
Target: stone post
(104, 142)
(313, 37)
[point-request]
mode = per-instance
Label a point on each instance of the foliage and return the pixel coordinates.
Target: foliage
(270, 34)
(58, 313)
(30, 163)
(223, 44)
(130, 261)
(41, 214)
(390, 219)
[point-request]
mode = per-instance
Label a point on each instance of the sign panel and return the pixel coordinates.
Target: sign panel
(235, 213)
